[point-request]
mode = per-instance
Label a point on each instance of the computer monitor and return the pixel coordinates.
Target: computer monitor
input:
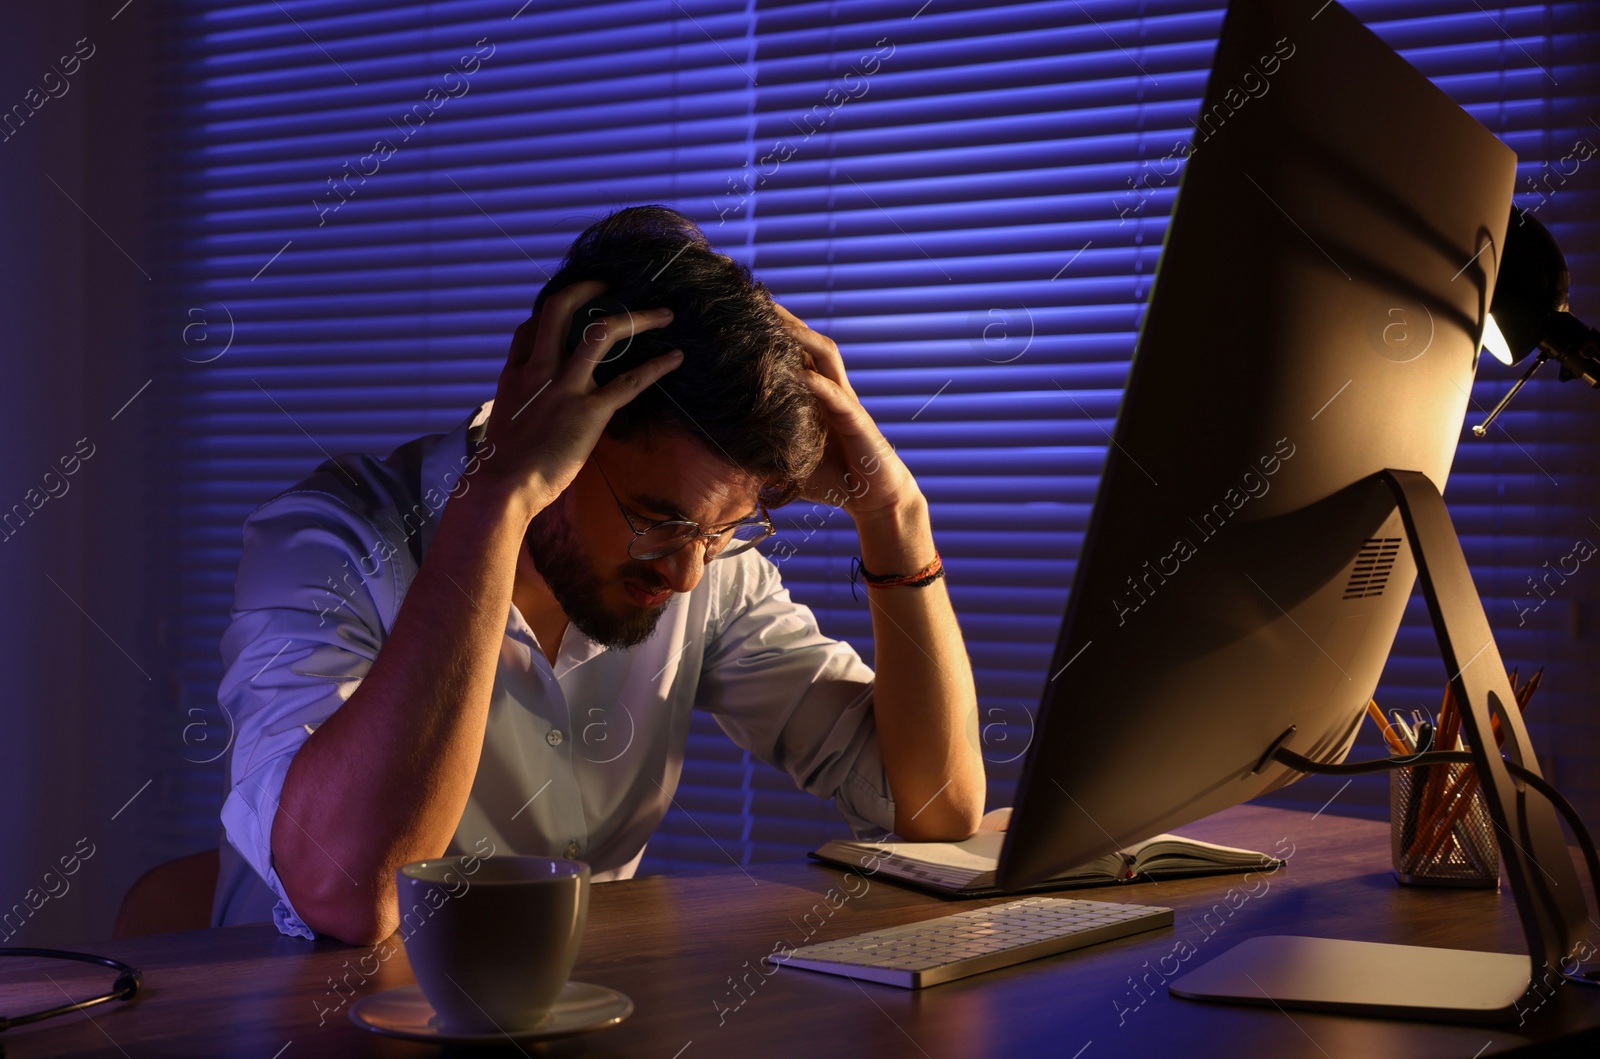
(1315, 320)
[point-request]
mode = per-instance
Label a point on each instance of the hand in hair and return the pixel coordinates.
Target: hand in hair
(860, 470)
(548, 411)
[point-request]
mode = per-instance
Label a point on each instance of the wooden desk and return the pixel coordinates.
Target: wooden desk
(677, 946)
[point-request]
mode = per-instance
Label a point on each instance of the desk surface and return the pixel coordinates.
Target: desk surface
(678, 945)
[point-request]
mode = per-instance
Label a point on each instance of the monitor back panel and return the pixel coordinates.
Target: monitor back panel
(1315, 319)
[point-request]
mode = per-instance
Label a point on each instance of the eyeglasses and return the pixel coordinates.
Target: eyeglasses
(127, 986)
(657, 539)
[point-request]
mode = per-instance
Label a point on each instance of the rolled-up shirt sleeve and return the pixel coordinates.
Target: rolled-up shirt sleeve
(307, 622)
(798, 700)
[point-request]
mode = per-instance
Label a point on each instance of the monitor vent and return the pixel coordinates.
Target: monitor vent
(1371, 573)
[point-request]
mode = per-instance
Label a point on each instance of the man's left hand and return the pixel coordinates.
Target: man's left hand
(860, 470)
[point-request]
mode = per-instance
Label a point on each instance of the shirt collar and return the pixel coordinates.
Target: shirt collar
(442, 468)
(443, 465)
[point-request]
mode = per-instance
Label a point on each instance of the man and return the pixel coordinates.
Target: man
(593, 565)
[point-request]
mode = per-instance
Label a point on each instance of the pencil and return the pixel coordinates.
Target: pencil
(1390, 737)
(1441, 791)
(1529, 688)
(1459, 800)
(1433, 779)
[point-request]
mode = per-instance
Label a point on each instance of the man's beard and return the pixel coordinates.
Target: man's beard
(554, 549)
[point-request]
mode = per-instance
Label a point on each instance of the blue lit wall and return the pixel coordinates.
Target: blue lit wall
(350, 205)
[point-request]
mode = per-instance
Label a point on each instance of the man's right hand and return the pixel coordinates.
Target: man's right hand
(548, 413)
(352, 809)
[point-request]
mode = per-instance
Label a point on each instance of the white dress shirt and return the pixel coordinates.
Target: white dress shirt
(580, 759)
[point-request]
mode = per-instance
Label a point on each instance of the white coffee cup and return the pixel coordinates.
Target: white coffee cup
(493, 949)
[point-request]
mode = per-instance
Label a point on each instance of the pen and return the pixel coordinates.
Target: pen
(1410, 839)
(1406, 732)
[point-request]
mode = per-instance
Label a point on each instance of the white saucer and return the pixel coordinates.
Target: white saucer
(405, 1012)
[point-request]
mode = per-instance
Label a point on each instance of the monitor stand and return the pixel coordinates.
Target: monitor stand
(1363, 978)
(1410, 981)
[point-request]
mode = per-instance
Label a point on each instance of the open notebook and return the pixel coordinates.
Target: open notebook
(966, 868)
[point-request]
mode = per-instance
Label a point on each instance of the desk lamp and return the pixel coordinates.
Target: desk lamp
(1530, 315)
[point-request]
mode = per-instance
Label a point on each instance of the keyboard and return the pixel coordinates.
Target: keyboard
(984, 939)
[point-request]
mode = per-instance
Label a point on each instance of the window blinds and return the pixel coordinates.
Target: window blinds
(969, 197)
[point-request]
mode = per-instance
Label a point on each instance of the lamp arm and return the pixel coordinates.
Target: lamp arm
(1482, 428)
(1575, 345)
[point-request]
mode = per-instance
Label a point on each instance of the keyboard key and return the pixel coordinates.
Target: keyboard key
(966, 943)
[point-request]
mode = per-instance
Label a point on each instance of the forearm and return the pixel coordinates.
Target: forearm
(924, 701)
(384, 780)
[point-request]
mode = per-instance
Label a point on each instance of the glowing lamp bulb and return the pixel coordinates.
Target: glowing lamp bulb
(1494, 341)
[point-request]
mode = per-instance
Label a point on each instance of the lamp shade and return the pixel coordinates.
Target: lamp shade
(1531, 286)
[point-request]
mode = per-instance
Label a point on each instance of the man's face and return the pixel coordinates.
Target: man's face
(579, 544)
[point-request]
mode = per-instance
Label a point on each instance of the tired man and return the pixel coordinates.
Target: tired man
(491, 640)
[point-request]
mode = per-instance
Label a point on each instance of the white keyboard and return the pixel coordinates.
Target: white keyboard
(984, 939)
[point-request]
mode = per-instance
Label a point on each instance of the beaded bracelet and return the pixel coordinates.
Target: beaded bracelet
(926, 576)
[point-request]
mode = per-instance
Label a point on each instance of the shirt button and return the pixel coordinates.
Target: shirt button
(572, 850)
(553, 737)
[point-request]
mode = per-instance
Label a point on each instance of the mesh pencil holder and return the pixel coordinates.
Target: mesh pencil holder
(1440, 833)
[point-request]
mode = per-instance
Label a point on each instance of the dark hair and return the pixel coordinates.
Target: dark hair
(739, 390)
